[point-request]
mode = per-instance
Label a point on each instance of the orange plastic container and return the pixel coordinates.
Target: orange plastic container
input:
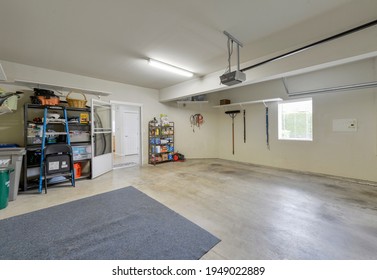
(77, 167)
(48, 100)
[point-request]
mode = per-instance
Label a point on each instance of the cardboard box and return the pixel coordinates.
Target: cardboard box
(84, 118)
(224, 101)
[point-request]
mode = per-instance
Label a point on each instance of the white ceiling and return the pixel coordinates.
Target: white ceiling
(111, 39)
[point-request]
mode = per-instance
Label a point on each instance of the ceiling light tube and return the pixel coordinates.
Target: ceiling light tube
(169, 68)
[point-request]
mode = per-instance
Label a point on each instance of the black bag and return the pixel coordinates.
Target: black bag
(44, 92)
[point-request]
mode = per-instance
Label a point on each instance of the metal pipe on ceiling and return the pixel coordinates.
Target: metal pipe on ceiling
(337, 88)
(342, 34)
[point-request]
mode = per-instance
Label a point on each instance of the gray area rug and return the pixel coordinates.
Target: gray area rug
(122, 224)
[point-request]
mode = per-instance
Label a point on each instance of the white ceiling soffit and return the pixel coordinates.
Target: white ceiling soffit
(111, 40)
(355, 47)
(346, 77)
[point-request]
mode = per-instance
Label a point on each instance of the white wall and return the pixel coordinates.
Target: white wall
(343, 154)
(12, 124)
(347, 154)
(198, 144)
(202, 142)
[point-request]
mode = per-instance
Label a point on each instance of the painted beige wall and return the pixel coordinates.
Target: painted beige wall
(198, 144)
(12, 124)
(343, 154)
(202, 142)
(347, 154)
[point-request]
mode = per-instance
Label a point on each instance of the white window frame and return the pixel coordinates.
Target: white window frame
(280, 123)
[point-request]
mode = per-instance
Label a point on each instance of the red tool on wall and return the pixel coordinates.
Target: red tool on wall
(196, 120)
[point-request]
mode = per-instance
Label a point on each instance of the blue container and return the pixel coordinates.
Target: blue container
(8, 146)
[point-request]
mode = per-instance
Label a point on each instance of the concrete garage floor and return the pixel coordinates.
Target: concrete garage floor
(257, 212)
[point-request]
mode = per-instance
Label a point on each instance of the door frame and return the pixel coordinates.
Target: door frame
(115, 102)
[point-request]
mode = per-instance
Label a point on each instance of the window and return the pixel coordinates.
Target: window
(295, 120)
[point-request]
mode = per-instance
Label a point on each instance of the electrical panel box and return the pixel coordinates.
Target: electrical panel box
(344, 125)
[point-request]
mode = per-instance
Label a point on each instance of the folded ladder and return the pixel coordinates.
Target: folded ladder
(58, 161)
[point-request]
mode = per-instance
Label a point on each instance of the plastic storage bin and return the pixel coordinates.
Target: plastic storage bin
(82, 152)
(12, 157)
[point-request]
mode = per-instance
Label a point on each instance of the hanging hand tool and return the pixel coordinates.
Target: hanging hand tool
(232, 114)
(244, 126)
(196, 120)
(267, 132)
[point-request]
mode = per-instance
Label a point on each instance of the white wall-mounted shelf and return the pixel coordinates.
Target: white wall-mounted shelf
(249, 102)
(191, 102)
(59, 88)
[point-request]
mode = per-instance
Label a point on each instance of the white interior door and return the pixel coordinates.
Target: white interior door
(102, 160)
(131, 133)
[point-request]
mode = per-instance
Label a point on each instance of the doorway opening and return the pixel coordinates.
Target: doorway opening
(127, 142)
(102, 161)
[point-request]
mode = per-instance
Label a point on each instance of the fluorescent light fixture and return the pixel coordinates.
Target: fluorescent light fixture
(169, 68)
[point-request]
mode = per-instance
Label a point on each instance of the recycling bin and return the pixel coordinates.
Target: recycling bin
(12, 156)
(4, 186)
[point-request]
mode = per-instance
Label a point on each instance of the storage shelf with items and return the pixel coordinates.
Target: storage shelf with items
(80, 138)
(161, 142)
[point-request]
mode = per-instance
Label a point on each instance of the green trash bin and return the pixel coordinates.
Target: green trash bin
(4, 186)
(12, 156)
